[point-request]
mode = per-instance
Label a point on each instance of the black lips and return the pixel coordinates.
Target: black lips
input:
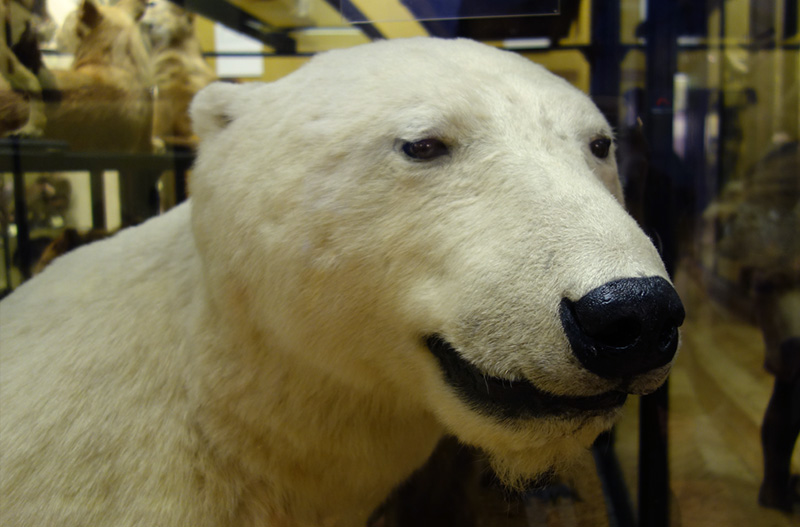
(512, 399)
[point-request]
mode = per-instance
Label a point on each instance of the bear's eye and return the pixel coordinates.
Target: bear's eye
(600, 147)
(425, 149)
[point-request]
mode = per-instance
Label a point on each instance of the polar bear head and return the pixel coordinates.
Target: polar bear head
(442, 220)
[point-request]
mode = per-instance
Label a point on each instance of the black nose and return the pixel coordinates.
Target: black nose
(625, 327)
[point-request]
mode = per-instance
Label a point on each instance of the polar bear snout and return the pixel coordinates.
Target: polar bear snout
(625, 327)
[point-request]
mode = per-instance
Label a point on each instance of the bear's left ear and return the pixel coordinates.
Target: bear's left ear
(219, 104)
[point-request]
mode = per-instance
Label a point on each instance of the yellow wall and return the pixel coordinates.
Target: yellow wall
(569, 64)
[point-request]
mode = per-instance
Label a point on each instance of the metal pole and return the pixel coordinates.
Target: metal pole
(661, 52)
(21, 211)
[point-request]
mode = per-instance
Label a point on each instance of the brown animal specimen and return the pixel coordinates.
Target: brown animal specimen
(180, 69)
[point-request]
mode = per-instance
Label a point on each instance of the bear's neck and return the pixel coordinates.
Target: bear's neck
(292, 437)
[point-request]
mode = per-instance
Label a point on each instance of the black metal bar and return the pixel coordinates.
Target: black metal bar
(242, 22)
(790, 29)
(722, 125)
(21, 211)
(661, 53)
(38, 160)
(618, 501)
(97, 186)
(138, 195)
(653, 510)
(6, 257)
(181, 170)
(366, 27)
(605, 57)
(661, 33)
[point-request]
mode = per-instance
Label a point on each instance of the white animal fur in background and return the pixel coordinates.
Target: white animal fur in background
(257, 356)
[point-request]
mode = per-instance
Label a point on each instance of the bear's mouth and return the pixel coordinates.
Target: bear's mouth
(516, 399)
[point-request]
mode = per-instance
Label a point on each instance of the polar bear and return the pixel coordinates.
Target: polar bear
(399, 240)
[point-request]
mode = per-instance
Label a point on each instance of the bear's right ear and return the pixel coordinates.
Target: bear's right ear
(219, 104)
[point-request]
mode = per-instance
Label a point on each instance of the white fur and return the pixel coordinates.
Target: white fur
(255, 357)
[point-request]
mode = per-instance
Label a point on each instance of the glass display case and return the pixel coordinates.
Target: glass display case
(704, 98)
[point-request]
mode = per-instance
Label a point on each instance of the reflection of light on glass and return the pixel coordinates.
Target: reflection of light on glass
(113, 206)
(712, 138)
(679, 124)
(527, 43)
(302, 8)
(690, 40)
(328, 32)
(229, 41)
